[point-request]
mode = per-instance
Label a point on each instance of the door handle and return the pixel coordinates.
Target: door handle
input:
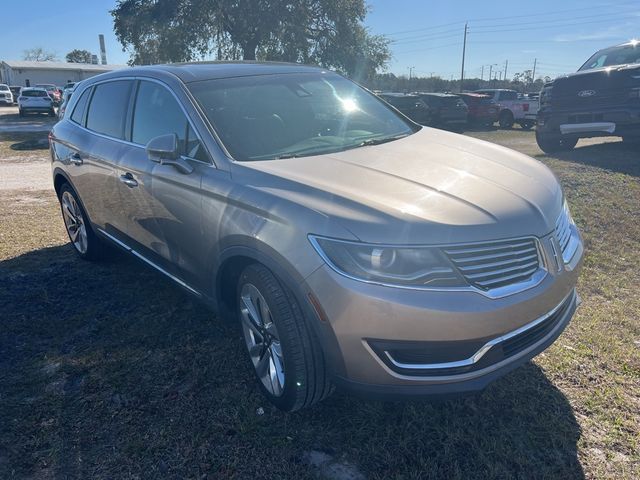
(128, 180)
(75, 158)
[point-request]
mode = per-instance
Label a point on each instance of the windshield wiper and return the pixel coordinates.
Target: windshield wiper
(378, 141)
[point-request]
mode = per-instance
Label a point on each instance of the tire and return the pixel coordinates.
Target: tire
(554, 143)
(289, 365)
(52, 113)
(526, 125)
(20, 113)
(82, 237)
(506, 119)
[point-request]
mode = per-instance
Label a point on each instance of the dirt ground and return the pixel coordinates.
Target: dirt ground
(108, 371)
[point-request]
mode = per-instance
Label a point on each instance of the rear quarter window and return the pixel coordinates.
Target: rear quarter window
(80, 108)
(108, 108)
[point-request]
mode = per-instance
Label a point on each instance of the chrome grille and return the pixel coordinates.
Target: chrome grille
(565, 234)
(496, 264)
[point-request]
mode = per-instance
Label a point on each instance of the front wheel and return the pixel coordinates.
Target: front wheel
(550, 143)
(286, 356)
(527, 125)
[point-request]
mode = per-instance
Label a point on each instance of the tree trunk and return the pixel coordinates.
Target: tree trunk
(249, 50)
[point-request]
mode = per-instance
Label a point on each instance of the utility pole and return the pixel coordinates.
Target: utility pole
(464, 52)
(490, 70)
(482, 73)
(506, 65)
(533, 75)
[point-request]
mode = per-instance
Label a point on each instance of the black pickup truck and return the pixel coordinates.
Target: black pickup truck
(601, 99)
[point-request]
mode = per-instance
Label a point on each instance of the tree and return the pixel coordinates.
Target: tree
(325, 32)
(78, 56)
(39, 54)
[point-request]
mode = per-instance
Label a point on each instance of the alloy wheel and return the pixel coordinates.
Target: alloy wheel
(74, 221)
(262, 339)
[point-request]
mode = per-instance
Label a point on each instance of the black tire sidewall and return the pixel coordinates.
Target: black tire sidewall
(94, 245)
(280, 305)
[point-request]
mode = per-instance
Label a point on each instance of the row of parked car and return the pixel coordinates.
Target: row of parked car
(481, 108)
(41, 98)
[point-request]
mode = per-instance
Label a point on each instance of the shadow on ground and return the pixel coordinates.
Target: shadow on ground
(613, 156)
(107, 370)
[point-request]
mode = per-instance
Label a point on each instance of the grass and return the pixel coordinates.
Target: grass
(109, 371)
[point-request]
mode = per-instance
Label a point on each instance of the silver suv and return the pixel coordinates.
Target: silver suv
(355, 248)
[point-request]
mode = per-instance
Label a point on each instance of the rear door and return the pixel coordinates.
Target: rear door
(93, 143)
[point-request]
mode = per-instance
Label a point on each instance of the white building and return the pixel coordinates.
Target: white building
(25, 73)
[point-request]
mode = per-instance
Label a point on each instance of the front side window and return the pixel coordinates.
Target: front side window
(614, 56)
(157, 113)
(108, 108)
(291, 115)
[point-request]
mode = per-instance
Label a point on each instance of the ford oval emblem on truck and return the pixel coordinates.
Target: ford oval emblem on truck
(587, 93)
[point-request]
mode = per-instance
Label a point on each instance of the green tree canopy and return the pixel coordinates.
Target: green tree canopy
(78, 56)
(324, 32)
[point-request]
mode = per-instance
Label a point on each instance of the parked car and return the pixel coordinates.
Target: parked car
(15, 90)
(6, 97)
(69, 85)
(513, 108)
(601, 99)
(66, 96)
(35, 100)
(354, 247)
(446, 110)
(410, 105)
(482, 109)
(54, 92)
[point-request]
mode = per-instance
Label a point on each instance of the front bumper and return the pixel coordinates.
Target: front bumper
(368, 321)
(624, 120)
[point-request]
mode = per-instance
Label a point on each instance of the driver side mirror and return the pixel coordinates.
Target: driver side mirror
(164, 150)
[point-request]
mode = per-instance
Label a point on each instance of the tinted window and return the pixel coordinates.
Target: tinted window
(108, 108)
(614, 56)
(157, 113)
(81, 106)
(34, 93)
(274, 116)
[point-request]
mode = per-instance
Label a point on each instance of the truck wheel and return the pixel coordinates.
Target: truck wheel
(526, 125)
(506, 119)
(554, 143)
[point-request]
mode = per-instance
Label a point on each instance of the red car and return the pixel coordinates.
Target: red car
(54, 92)
(482, 110)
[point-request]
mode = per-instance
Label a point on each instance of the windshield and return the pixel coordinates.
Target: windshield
(4, 88)
(291, 115)
(614, 56)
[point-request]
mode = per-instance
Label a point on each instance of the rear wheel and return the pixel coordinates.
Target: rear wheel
(21, 113)
(506, 119)
(85, 242)
(550, 143)
(526, 125)
(285, 354)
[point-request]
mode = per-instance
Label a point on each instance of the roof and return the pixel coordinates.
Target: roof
(89, 67)
(197, 71)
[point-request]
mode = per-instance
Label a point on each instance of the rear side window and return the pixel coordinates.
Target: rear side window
(81, 107)
(108, 108)
(509, 96)
(157, 113)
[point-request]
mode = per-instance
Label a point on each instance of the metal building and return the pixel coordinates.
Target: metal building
(25, 73)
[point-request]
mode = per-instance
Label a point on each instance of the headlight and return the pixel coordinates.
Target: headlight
(403, 266)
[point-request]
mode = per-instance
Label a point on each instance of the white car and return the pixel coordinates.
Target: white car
(6, 96)
(35, 100)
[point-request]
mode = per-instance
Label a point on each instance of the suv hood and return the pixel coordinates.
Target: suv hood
(431, 187)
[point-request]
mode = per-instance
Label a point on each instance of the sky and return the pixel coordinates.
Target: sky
(426, 35)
